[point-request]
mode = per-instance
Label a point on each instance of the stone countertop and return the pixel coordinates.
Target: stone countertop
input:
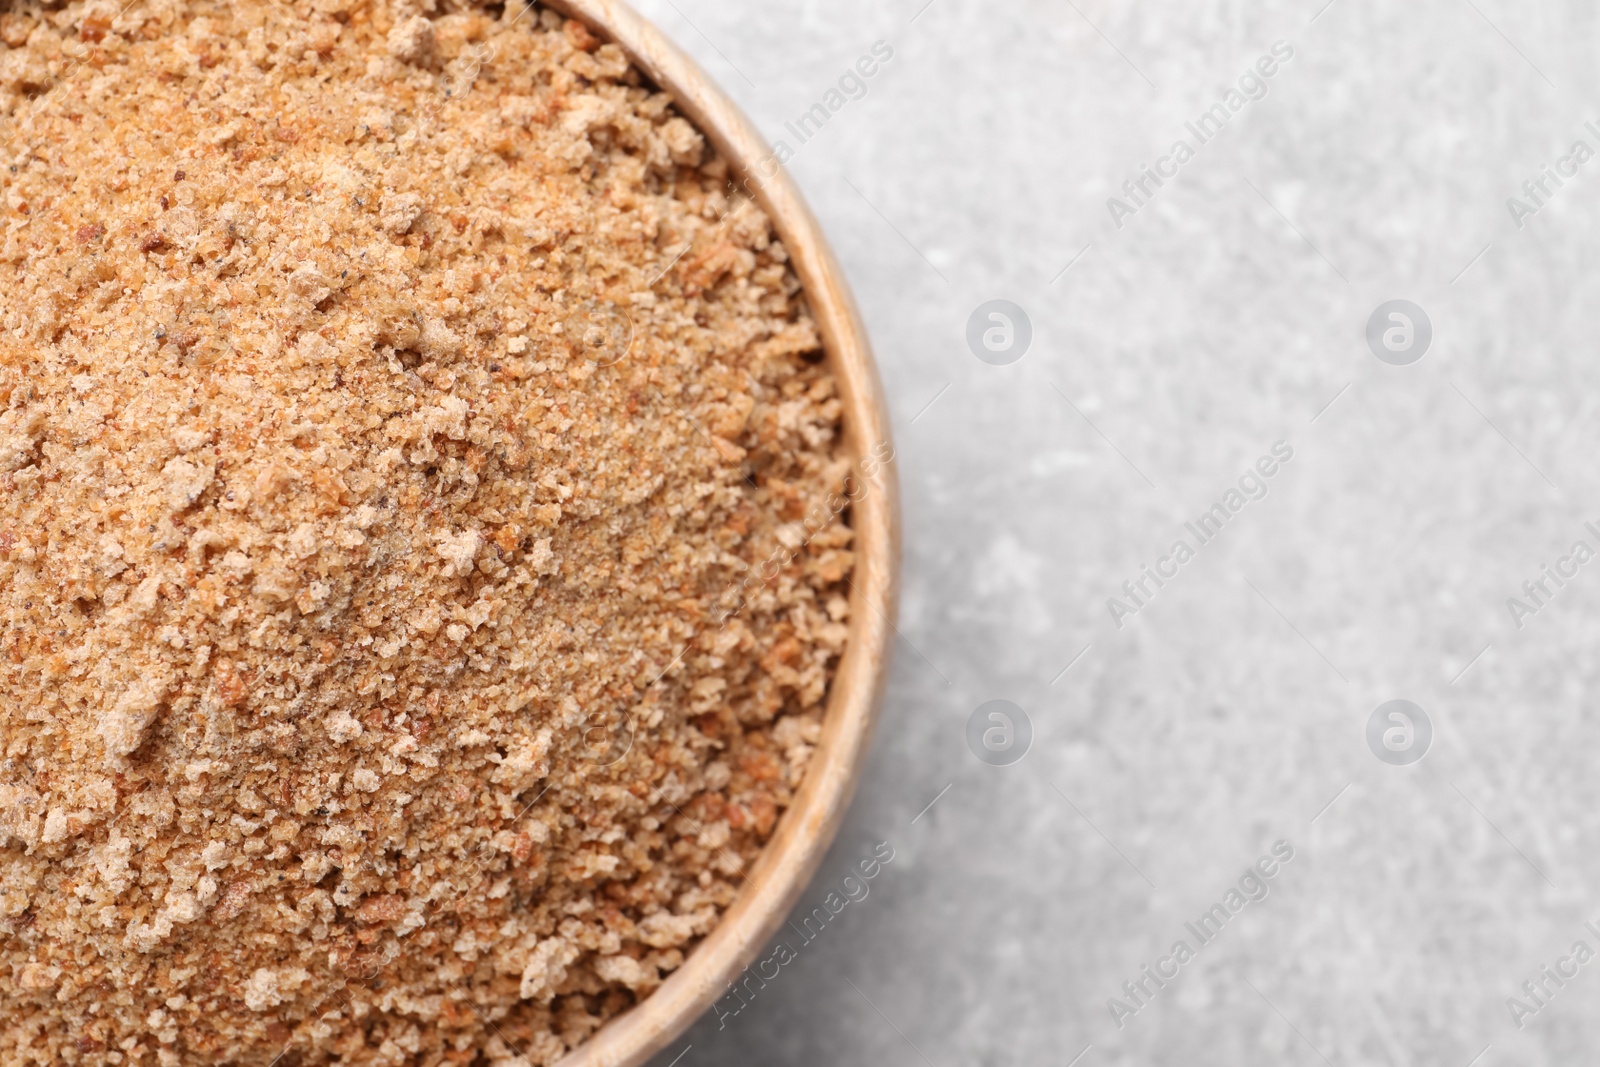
(1177, 339)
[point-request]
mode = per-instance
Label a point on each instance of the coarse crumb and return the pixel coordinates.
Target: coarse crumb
(422, 556)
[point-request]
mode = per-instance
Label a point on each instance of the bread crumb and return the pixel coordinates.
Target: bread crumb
(342, 726)
(399, 212)
(413, 41)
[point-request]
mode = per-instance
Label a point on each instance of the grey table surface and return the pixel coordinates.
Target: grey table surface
(1172, 346)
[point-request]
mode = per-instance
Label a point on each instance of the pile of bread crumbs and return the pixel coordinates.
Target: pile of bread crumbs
(395, 400)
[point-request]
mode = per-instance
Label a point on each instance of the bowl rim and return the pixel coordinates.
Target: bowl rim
(791, 857)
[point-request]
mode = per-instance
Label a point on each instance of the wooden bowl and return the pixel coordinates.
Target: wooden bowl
(774, 883)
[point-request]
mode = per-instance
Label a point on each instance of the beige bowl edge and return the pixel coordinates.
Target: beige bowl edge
(787, 864)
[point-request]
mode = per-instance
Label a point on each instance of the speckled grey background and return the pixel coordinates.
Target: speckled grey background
(1229, 713)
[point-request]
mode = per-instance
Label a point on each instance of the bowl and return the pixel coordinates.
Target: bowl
(777, 879)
